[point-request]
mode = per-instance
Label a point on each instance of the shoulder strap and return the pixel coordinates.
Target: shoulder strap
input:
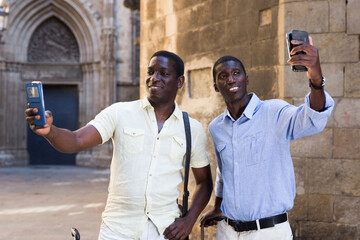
(187, 162)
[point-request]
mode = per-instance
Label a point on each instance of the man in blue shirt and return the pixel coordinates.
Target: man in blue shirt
(255, 182)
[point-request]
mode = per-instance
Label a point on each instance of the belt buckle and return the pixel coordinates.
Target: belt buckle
(258, 225)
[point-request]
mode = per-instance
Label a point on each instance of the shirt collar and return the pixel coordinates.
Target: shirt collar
(250, 109)
(177, 112)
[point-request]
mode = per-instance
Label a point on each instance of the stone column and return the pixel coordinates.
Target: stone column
(108, 77)
(13, 124)
(91, 91)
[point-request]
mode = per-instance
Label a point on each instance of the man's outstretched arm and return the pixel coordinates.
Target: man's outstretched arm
(61, 139)
(311, 61)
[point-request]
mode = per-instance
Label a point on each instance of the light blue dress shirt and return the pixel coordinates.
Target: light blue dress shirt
(255, 173)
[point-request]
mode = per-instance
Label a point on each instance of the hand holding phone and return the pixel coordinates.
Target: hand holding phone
(300, 36)
(35, 99)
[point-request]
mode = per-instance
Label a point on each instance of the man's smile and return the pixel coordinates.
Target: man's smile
(154, 87)
(233, 89)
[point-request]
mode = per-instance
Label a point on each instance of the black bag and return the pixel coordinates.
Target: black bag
(184, 207)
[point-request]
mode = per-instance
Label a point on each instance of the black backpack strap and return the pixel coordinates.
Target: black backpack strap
(187, 163)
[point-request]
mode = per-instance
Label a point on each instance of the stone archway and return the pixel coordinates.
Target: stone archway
(53, 54)
(53, 42)
(15, 69)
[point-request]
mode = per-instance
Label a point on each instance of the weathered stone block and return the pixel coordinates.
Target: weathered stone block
(237, 8)
(219, 10)
(296, 84)
(316, 146)
(241, 51)
(352, 80)
(184, 23)
(347, 177)
(240, 32)
(321, 176)
(328, 231)
(150, 10)
(300, 170)
(263, 82)
(201, 14)
(300, 209)
(311, 16)
(157, 30)
(207, 38)
(171, 25)
(321, 208)
(347, 114)
(265, 17)
(153, 31)
(334, 74)
(337, 47)
(353, 17)
(346, 209)
(337, 16)
(164, 7)
(264, 53)
(269, 31)
(200, 83)
(178, 5)
(188, 44)
(170, 43)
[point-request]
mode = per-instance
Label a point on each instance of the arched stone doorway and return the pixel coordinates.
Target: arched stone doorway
(83, 70)
(53, 53)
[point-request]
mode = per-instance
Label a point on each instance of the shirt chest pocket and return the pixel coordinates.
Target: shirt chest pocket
(226, 156)
(133, 140)
(178, 148)
(252, 148)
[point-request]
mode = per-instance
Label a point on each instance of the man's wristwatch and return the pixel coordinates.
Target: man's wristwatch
(323, 80)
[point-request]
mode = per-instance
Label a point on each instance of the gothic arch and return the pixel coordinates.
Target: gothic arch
(53, 42)
(26, 16)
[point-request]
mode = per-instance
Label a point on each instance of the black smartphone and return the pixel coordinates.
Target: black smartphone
(300, 36)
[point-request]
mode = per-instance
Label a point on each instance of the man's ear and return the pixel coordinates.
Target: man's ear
(216, 88)
(247, 80)
(180, 80)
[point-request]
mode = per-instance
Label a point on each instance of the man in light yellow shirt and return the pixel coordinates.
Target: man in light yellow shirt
(148, 154)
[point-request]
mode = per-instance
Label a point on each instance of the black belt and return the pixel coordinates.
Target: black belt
(241, 226)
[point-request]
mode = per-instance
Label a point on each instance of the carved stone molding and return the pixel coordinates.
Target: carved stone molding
(53, 42)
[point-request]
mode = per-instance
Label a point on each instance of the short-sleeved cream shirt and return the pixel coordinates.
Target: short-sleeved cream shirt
(146, 165)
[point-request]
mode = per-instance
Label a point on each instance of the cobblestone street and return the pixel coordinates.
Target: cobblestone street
(44, 202)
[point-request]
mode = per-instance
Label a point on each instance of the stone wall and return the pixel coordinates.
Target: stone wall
(326, 164)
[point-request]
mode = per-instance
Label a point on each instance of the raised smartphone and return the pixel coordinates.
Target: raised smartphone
(300, 36)
(35, 98)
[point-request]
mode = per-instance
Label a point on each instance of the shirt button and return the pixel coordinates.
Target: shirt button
(237, 206)
(157, 138)
(147, 212)
(150, 174)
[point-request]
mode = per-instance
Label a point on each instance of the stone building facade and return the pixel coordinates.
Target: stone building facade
(93, 52)
(327, 165)
(84, 48)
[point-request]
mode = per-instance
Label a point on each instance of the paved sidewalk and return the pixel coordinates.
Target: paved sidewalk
(44, 202)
